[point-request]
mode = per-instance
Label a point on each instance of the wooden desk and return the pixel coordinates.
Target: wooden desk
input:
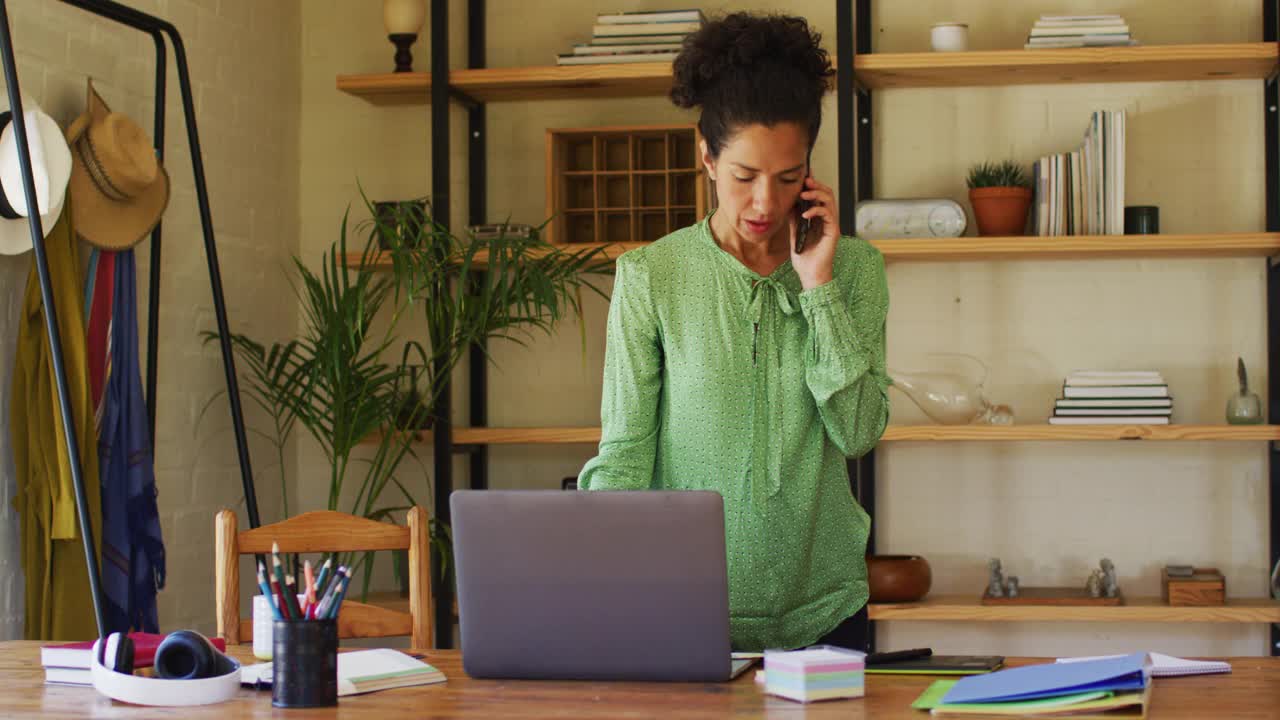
(1252, 691)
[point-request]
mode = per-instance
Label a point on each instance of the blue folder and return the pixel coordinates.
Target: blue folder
(1131, 672)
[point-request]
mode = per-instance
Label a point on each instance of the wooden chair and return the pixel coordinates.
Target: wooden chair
(327, 531)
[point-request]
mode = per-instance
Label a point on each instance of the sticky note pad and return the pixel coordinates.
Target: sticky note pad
(817, 673)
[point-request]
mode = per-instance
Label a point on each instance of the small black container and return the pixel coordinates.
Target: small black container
(304, 664)
(1142, 220)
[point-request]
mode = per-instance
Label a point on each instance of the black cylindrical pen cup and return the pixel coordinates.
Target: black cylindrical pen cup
(1142, 220)
(304, 664)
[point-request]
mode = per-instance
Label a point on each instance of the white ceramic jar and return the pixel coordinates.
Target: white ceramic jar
(950, 37)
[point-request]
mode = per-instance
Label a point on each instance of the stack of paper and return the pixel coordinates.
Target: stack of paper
(1064, 31)
(819, 673)
(1105, 685)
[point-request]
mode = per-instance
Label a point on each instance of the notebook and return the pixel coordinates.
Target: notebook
(1169, 666)
(1100, 704)
(939, 665)
(363, 671)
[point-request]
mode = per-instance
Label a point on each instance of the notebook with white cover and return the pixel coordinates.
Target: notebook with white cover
(1169, 666)
(362, 671)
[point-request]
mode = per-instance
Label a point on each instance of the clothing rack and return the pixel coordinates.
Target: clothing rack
(157, 28)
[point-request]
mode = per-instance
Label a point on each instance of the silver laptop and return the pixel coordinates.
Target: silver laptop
(593, 585)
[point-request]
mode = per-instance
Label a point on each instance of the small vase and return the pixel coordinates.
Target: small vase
(1000, 211)
(1244, 409)
(898, 578)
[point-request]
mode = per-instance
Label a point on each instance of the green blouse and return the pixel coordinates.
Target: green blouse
(719, 379)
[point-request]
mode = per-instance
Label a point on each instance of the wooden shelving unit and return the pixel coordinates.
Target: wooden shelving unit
(909, 433)
(1149, 63)
(962, 608)
(1152, 63)
(1070, 247)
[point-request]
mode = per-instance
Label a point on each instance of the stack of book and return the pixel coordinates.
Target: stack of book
(632, 37)
(1082, 192)
(1068, 31)
(1104, 397)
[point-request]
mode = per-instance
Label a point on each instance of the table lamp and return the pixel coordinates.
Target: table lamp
(403, 19)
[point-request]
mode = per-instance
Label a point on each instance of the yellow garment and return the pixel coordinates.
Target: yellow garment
(59, 604)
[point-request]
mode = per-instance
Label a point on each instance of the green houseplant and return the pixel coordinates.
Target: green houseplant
(1001, 195)
(332, 379)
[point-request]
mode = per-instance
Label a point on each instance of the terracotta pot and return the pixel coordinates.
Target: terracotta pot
(898, 578)
(1000, 210)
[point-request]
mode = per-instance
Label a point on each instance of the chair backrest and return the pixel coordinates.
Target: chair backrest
(326, 531)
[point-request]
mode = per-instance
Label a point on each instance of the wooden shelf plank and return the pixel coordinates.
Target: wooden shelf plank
(1035, 432)
(906, 433)
(611, 251)
(552, 82)
(961, 608)
(1070, 247)
(1226, 61)
(1080, 247)
(1149, 63)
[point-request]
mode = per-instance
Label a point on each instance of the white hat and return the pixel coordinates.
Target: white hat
(50, 167)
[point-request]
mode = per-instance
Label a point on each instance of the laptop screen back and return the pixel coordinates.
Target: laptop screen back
(592, 585)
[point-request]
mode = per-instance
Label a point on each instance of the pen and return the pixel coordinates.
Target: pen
(882, 658)
(266, 591)
(337, 601)
(285, 608)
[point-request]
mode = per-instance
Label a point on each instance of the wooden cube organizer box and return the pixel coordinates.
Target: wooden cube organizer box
(623, 184)
(1205, 587)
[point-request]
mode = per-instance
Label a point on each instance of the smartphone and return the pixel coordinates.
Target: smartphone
(802, 205)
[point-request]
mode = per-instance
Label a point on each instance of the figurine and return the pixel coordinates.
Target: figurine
(1094, 583)
(1011, 586)
(1109, 586)
(995, 585)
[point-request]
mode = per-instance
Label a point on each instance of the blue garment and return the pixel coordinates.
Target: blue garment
(132, 549)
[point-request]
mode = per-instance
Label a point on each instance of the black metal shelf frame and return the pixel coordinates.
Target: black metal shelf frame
(158, 29)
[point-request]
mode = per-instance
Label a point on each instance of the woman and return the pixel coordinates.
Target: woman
(738, 365)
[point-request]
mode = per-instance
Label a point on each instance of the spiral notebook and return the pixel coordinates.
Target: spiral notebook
(1169, 666)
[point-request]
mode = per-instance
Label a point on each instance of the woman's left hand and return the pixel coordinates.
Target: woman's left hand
(814, 264)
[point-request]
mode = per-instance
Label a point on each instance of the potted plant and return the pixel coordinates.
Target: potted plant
(332, 379)
(1001, 195)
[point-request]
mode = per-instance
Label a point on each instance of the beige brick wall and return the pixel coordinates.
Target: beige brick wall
(244, 62)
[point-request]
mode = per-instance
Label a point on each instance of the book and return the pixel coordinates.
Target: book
(1114, 374)
(1114, 381)
(80, 654)
(584, 49)
(1118, 412)
(1168, 665)
(1076, 31)
(638, 39)
(1103, 420)
(674, 28)
(1163, 402)
(1116, 391)
(650, 16)
(618, 58)
(68, 676)
(363, 671)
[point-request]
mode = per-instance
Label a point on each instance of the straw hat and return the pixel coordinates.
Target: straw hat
(120, 189)
(50, 168)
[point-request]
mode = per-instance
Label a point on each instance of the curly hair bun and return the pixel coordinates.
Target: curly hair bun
(740, 46)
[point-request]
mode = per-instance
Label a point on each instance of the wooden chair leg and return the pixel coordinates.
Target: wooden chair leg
(421, 604)
(227, 577)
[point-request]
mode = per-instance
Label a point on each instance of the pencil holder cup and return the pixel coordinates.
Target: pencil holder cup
(304, 663)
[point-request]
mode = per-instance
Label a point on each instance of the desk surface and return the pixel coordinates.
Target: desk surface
(1251, 691)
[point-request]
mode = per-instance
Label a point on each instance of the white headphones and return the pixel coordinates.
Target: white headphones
(191, 671)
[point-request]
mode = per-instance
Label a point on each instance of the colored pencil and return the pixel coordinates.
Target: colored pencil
(266, 591)
(286, 608)
(332, 613)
